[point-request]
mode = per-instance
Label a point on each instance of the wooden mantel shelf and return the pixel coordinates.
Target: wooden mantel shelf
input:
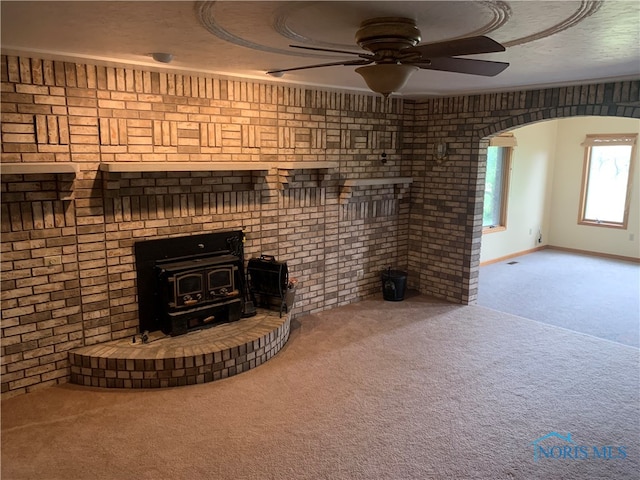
(285, 170)
(64, 187)
(360, 182)
(304, 165)
(210, 166)
(181, 166)
(38, 167)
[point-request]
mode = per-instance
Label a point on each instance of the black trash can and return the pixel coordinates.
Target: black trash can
(394, 283)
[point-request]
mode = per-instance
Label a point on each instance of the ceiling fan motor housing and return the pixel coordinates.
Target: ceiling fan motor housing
(387, 34)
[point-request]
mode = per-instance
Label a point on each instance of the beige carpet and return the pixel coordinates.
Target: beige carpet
(376, 390)
(585, 293)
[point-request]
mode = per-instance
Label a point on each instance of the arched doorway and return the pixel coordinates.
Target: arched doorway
(445, 230)
(567, 286)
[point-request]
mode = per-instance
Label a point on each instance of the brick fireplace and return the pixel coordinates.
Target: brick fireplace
(96, 158)
(158, 156)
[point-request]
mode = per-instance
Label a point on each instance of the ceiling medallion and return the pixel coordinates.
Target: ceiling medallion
(500, 12)
(205, 13)
(281, 26)
(586, 9)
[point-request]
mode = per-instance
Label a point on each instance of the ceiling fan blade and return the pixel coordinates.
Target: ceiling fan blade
(452, 48)
(464, 65)
(332, 64)
(318, 49)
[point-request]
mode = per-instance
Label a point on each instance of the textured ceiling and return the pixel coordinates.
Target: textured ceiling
(547, 43)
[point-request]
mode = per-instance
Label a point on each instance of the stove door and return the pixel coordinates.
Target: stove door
(188, 289)
(221, 282)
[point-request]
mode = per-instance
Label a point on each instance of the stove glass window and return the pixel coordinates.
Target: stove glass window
(191, 283)
(221, 278)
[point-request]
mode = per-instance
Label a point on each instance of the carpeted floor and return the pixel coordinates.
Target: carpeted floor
(593, 295)
(375, 390)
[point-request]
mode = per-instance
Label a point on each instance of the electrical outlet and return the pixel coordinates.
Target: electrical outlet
(631, 237)
(360, 274)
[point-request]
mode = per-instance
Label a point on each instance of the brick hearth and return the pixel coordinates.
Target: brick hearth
(196, 357)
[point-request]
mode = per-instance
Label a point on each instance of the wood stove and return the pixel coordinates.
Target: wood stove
(199, 291)
(191, 282)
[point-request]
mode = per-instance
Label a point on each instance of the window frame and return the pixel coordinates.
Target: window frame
(606, 139)
(507, 143)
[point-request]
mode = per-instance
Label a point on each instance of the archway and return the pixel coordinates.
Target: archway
(446, 222)
(577, 284)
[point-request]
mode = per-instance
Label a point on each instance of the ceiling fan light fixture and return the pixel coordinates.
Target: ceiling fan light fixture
(386, 78)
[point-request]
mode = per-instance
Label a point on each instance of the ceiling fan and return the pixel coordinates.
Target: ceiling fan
(396, 54)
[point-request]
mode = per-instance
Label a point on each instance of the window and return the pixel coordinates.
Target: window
(606, 178)
(496, 188)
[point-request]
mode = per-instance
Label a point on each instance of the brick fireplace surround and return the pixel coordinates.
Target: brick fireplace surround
(142, 155)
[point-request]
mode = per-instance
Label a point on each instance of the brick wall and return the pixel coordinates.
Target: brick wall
(68, 268)
(445, 227)
(68, 274)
